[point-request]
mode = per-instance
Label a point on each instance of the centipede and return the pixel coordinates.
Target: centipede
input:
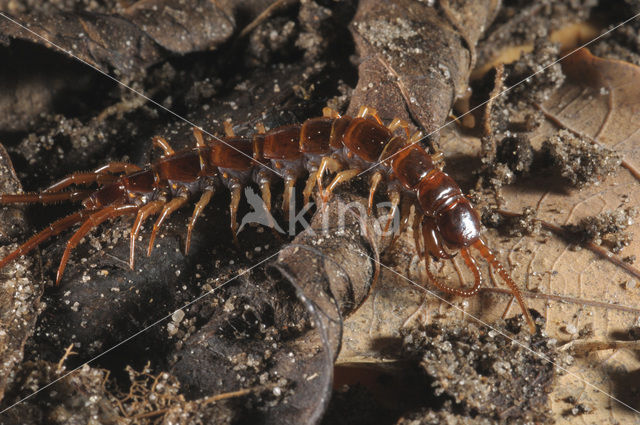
(333, 144)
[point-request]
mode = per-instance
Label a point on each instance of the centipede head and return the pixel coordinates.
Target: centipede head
(457, 229)
(459, 225)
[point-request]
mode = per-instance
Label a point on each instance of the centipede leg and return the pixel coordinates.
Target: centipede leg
(167, 210)
(197, 134)
(228, 129)
(375, 181)
(309, 185)
(486, 253)
(394, 198)
(236, 194)
(341, 177)
(330, 112)
(405, 214)
(416, 137)
(415, 228)
(327, 163)
(369, 111)
(398, 123)
(94, 220)
(144, 212)
(161, 142)
(432, 241)
(202, 203)
(52, 230)
(289, 185)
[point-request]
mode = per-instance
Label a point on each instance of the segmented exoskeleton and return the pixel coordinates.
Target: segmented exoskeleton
(332, 143)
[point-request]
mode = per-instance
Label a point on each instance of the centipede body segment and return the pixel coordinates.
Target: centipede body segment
(342, 145)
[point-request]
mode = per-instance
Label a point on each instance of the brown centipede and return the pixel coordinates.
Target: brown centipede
(333, 143)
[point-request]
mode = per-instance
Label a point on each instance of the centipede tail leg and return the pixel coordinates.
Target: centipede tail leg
(52, 230)
(103, 175)
(202, 203)
(81, 178)
(45, 198)
(486, 253)
(144, 212)
(161, 142)
(94, 220)
(167, 210)
(236, 194)
(375, 181)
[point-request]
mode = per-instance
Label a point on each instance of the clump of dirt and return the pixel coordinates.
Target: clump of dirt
(623, 43)
(513, 158)
(88, 395)
(514, 226)
(577, 409)
(607, 229)
(580, 161)
(516, 153)
(482, 373)
(528, 71)
(78, 398)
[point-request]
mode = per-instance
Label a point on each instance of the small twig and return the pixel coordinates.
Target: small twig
(67, 353)
(205, 401)
(565, 299)
(607, 255)
(586, 346)
(264, 15)
(558, 122)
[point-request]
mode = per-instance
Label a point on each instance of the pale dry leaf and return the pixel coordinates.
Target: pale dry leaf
(588, 291)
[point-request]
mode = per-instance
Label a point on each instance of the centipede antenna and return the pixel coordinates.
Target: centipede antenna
(51, 230)
(486, 253)
(471, 264)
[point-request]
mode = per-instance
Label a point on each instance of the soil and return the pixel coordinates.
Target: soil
(261, 348)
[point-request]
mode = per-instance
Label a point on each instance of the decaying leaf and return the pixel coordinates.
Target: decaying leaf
(414, 61)
(20, 300)
(580, 292)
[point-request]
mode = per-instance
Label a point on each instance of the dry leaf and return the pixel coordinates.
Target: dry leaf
(579, 292)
